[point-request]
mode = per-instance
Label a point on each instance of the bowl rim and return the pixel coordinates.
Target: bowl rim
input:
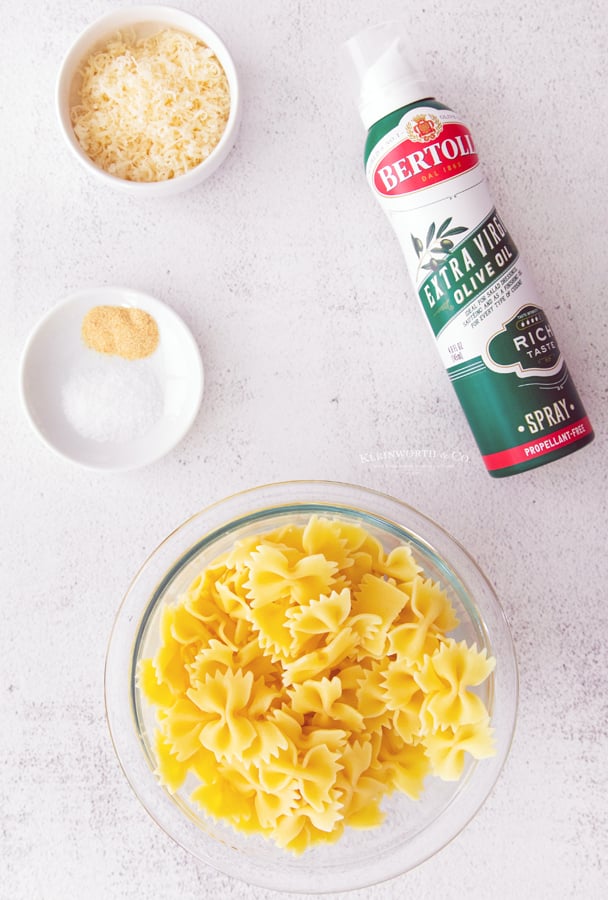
(347, 493)
(101, 29)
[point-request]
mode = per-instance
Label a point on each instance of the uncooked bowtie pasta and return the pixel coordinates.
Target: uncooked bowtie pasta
(305, 675)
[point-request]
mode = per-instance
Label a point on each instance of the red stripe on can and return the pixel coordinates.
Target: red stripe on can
(533, 449)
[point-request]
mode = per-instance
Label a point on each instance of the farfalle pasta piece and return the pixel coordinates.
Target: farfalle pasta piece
(270, 807)
(363, 808)
(430, 616)
(377, 597)
(271, 624)
(316, 778)
(370, 698)
(152, 687)
(445, 678)
(372, 633)
(215, 657)
(322, 700)
(356, 760)
(304, 675)
(224, 701)
(404, 697)
(361, 790)
(268, 743)
(201, 597)
(181, 728)
(276, 574)
(446, 749)
(325, 537)
(225, 798)
(408, 765)
(334, 738)
(170, 661)
(297, 831)
(170, 771)
(203, 583)
(249, 658)
(399, 564)
(284, 768)
(317, 662)
(186, 628)
(231, 602)
(239, 556)
(323, 615)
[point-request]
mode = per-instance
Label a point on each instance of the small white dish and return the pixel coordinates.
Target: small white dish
(144, 21)
(55, 355)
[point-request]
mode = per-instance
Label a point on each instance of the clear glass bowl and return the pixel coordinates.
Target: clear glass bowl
(413, 830)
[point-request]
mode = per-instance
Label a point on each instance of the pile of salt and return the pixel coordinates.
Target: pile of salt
(112, 399)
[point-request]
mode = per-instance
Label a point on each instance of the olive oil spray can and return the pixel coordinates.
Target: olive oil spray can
(491, 329)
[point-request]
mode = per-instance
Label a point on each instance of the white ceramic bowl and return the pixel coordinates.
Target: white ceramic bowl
(145, 20)
(55, 359)
(413, 830)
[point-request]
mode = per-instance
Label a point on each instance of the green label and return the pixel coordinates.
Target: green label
(525, 343)
(459, 274)
(515, 421)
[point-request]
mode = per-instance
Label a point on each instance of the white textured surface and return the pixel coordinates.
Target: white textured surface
(294, 287)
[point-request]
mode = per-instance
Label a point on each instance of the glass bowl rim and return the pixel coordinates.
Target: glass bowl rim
(328, 496)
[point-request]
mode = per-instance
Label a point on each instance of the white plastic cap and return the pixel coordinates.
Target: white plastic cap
(387, 74)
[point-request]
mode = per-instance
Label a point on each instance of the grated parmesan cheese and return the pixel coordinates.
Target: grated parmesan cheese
(151, 108)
